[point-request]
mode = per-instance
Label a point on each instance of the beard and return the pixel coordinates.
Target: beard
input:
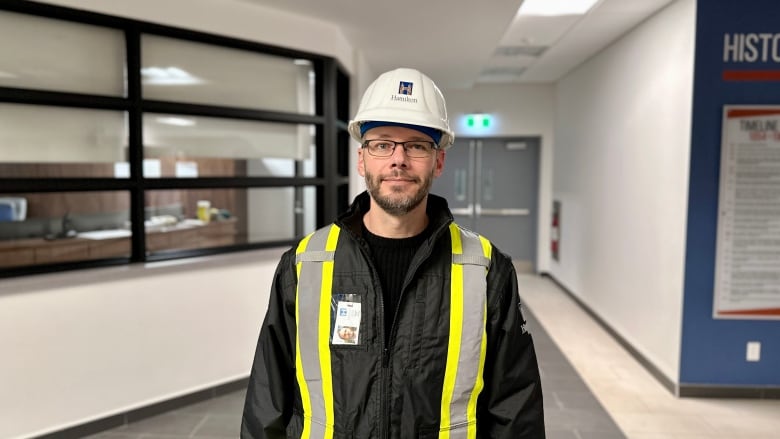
(397, 203)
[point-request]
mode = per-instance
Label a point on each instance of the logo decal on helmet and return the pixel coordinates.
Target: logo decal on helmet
(405, 88)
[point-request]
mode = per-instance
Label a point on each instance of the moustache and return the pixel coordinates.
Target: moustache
(400, 174)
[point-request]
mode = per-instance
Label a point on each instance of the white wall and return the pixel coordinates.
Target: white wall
(621, 159)
(83, 345)
(519, 110)
(360, 81)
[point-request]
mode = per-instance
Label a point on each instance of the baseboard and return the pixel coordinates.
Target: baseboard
(647, 364)
(118, 420)
(715, 391)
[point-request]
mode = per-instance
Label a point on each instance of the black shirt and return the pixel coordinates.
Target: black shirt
(392, 257)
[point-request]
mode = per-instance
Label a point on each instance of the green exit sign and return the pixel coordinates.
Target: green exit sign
(479, 120)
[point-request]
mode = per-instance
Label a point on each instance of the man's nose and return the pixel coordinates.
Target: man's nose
(399, 157)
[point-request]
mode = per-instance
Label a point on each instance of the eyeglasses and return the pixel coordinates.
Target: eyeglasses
(416, 149)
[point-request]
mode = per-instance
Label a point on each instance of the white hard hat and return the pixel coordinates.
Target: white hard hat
(407, 97)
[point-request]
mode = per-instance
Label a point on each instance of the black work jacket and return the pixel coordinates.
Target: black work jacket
(392, 389)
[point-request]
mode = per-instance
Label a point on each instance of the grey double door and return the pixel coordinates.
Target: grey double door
(492, 188)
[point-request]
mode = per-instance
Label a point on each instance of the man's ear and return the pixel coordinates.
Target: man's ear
(440, 155)
(361, 164)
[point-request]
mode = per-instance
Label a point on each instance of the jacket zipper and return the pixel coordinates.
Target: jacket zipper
(388, 347)
(387, 342)
(384, 394)
(410, 275)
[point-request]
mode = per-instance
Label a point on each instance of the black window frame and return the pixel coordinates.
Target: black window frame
(330, 119)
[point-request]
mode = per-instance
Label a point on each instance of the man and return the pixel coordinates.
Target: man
(437, 346)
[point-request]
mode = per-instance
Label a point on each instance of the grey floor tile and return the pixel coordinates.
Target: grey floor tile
(554, 366)
(222, 405)
(163, 436)
(578, 400)
(580, 420)
(571, 410)
(563, 383)
(112, 434)
(172, 423)
(222, 426)
(599, 435)
(561, 434)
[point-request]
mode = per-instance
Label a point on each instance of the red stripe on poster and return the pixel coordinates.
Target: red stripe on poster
(750, 112)
(752, 312)
(751, 75)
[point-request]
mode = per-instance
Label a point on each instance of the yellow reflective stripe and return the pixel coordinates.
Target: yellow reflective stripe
(324, 332)
(487, 250)
(304, 388)
(456, 331)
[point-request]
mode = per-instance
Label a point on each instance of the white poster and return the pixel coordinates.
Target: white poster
(747, 270)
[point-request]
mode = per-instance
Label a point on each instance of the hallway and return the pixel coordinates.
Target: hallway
(637, 402)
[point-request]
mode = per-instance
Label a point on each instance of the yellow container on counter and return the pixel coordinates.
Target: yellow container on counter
(204, 210)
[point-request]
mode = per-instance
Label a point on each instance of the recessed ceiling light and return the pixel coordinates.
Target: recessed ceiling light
(520, 50)
(555, 7)
(503, 71)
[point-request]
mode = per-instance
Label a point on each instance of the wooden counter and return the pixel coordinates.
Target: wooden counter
(36, 251)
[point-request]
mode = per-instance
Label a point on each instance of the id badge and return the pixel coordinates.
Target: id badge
(346, 330)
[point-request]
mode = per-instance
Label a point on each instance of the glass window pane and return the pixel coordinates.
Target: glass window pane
(49, 228)
(202, 218)
(188, 146)
(41, 53)
(40, 142)
(182, 71)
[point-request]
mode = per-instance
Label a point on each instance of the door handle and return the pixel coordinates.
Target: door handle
(478, 179)
(464, 186)
(461, 184)
(505, 212)
(467, 211)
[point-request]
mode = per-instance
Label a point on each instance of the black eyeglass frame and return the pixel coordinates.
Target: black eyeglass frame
(434, 147)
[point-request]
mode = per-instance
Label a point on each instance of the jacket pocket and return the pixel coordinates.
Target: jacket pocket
(347, 322)
(418, 326)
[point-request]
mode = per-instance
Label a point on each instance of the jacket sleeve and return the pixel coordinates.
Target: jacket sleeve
(270, 394)
(510, 405)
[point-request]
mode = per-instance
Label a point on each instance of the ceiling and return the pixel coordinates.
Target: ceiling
(460, 43)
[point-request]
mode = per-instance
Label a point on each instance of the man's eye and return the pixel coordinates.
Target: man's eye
(383, 145)
(417, 146)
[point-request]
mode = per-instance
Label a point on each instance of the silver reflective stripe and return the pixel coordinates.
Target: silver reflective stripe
(471, 311)
(317, 430)
(474, 297)
(471, 259)
(315, 256)
(309, 285)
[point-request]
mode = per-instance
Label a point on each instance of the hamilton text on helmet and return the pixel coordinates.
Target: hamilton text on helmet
(403, 99)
